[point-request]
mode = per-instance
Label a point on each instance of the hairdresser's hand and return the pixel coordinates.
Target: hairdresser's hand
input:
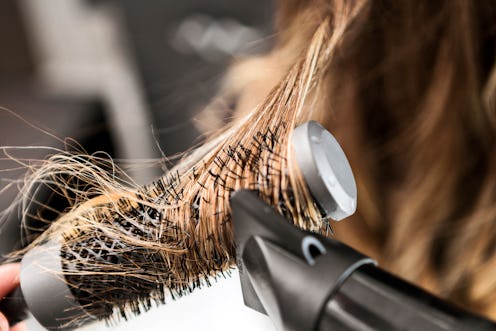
(9, 280)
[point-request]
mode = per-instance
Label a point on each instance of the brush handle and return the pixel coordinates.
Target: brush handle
(44, 292)
(14, 307)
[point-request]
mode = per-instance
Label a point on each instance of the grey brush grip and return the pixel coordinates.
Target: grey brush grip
(14, 307)
(45, 291)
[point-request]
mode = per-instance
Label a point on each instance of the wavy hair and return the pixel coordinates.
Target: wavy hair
(408, 88)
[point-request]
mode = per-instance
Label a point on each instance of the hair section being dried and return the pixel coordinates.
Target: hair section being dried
(130, 247)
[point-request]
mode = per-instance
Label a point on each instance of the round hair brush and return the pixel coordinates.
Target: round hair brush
(127, 252)
(128, 248)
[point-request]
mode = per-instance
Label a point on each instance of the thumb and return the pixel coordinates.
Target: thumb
(9, 278)
(4, 324)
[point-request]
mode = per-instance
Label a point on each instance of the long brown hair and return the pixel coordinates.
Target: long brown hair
(408, 88)
(410, 93)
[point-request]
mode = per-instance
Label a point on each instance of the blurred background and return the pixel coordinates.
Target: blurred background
(128, 78)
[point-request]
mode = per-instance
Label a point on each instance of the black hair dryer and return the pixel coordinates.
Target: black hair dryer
(305, 281)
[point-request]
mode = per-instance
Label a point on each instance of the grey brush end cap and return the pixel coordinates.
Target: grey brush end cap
(326, 170)
(45, 291)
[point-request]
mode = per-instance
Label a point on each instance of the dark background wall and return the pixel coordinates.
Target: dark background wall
(178, 51)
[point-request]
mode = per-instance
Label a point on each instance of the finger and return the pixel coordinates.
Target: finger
(9, 278)
(19, 327)
(4, 324)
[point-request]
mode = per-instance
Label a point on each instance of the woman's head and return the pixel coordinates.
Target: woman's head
(409, 89)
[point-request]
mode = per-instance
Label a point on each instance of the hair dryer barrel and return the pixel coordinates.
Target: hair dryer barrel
(372, 299)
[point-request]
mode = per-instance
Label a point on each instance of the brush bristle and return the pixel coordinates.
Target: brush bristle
(161, 242)
(130, 248)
